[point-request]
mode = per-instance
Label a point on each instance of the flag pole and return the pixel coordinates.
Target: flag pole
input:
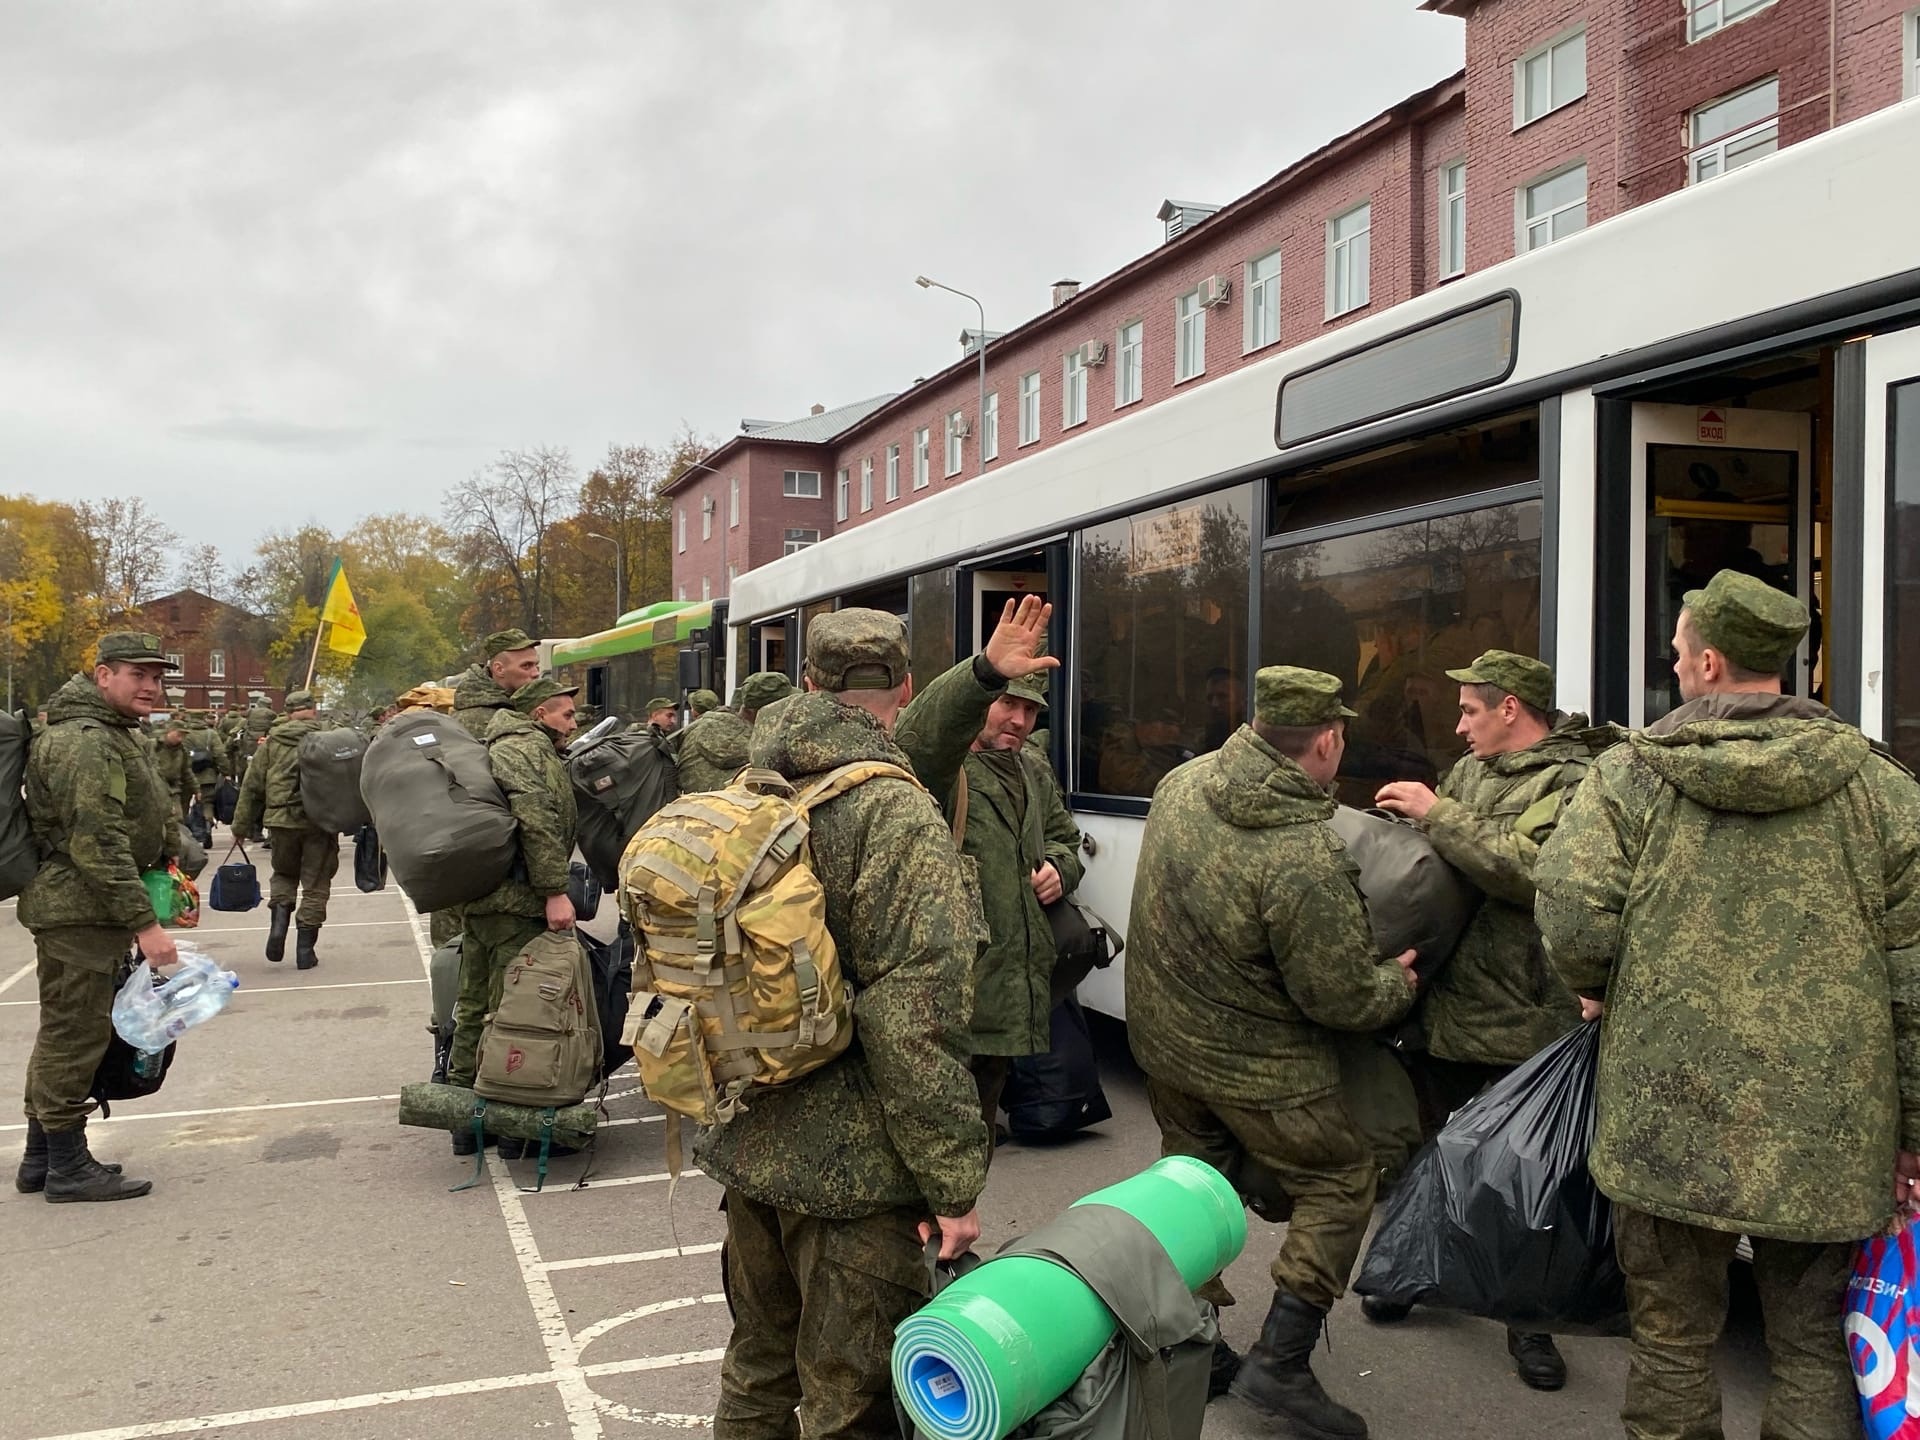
(320, 622)
(314, 659)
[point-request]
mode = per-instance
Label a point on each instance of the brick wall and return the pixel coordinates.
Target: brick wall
(195, 626)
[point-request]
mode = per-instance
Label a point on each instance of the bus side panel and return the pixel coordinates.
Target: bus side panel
(1108, 887)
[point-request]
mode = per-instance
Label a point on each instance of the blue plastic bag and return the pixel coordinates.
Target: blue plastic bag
(1881, 1303)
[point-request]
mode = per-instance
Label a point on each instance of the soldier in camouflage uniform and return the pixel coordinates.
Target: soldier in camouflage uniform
(834, 1180)
(1740, 886)
(1248, 948)
(523, 752)
(713, 749)
(699, 702)
(100, 816)
(1497, 1001)
(174, 766)
(305, 857)
(203, 739)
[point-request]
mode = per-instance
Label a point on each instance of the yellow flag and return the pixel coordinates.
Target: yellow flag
(345, 633)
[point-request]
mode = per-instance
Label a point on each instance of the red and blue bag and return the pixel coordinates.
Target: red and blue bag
(1882, 1300)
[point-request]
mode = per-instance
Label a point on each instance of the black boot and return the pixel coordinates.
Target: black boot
(280, 917)
(31, 1178)
(73, 1173)
(1226, 1365)
(1276, 1380)
(303, 956)
(1537, 1361)
(442, 1055)
(463, 1143)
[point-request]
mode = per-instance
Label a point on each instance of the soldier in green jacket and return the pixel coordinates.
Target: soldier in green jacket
(699, 702)
(967, 735)
(509, 660)
(713, 749)
(1497, 1001)
(523, 752)
(1248, 948)
(1740, 886)
(100, 817)
(834, 1181)
(305, 857)
(173, 762)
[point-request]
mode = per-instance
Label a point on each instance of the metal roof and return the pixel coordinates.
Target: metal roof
(818, 429)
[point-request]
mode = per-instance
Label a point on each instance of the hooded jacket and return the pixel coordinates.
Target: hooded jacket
(712, 750)
(270, 795)
(100, 815)
(895, 1121)
(477, 699)
(1249, 944)
(526, 766)
(1741, 884)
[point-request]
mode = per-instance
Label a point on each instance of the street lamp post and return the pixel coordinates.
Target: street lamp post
(980, 438)
(619, 573)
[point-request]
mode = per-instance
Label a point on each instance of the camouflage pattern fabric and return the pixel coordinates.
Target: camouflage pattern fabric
(1497, 1000)
(270, 795)
(477, 698)
(526, 766)
(76, 968)
(895, 1121)
(713, 749)
(489, 945)
(176, 772)
(1742, 885)
(1249, 942)
(305, 860)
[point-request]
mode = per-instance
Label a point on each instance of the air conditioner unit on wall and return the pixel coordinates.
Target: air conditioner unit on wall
(1215, 290)
(707, 506)
(961, 428)
(1093, 353)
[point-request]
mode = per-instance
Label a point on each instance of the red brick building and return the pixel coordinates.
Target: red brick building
(1567, 113)
(216, 647)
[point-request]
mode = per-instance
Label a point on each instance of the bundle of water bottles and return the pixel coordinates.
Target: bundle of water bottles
(150, 1014)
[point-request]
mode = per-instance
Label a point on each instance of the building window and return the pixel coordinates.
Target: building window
(1549, 77)
(800, 484)
(1349, 260)
(920, 458)
(1030, 407)
(733, 501)
(842, 490)
(706, 519)
(681, 593)
(733, 574)
(795, 540)
(893, 472)
(1706, 16)
(1736, 131)
(1553, 208)
(1453, 219)
(1910, 31)
(1263, 300)
(1129, 351)
(1189, 337)
(176, 661)
(866, 484)
(706, 588)
(681, 515)
(990, 428)
(955, 443)
(216, 664)
(1073, 390)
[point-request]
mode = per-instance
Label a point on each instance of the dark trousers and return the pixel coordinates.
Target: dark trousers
(76, 969)
(304, 864)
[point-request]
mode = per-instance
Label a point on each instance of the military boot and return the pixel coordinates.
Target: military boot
(442, 1055)
(31, 1178)
(1226, 1365)
(73, 1173)
(303, 956)
(1536, 1360)
(278, 919)
(1276, 1380)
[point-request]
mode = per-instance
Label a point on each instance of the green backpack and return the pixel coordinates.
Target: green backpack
(541, 1047)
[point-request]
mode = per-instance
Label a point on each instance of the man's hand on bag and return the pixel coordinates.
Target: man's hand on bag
(1405, 961)
(957, 1233)
(1906, 1180)
(156, 946)
(1592, 1009)
(1046, 884)
(559, 912)
(1406, 797)
(1014, 647)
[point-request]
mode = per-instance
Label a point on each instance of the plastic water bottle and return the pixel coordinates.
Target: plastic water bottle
(150, 1017)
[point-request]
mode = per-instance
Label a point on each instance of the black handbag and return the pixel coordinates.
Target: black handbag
(123, 1072)
(226, 798)
(369, 860)
(236, 886)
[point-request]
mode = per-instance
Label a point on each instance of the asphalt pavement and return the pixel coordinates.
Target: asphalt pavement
(302, 1270)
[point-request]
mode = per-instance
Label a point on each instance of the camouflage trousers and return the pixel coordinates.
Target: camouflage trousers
(814, 1306)
(489, 945)
(1677, 1304)
(1306, 1164)
(304, 864)
(77, 965)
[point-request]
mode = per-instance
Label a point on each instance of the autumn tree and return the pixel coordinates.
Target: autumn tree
(501, 517)
(130, 550)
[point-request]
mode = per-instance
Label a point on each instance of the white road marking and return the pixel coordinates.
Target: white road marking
(236, 1110)
(279, 989)
(330, 925)
(19, 975)
(636, 1257)
(658, 1307)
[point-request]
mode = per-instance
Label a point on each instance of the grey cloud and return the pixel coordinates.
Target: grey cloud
(278, 434)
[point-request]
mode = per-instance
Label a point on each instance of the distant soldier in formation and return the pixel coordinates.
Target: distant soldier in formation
(714, 748)
(174, 764)
(305, 857)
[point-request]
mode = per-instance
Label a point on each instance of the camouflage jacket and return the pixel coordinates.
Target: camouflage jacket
(1741, 884)
(526, 765)
(100, 816)
(1016, 822)
(206, 738)
(1249, 944)
(895, 1121)
(1497, 1000)
(477, 699)
(712, 750)
(270, 795)
(173, 764)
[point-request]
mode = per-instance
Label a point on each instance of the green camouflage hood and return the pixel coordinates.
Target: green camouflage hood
(79, 699)
(1753, 754)
(477, 688)
(1255, 787)
(812, 733)
(292, 732)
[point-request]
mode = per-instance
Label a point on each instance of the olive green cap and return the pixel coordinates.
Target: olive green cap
(536, 692)
(299, 700)
(857, 649)
(501, 641)
(133, 647)
(1290, 696)
(701, 701)
(761, 689)
(660, 702)
(1030, 687)
(1754, 625)
(1521, 676)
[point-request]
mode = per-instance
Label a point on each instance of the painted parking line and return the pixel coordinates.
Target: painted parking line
(280, 989)
(237, 1110)
(18, 975)
(636, 1257)
(330, 925)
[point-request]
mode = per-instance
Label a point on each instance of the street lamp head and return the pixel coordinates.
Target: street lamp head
(595, 535)
(922, 281)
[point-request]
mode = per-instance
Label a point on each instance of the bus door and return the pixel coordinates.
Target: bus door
(770, 646)
(1719, 488)
(1889, 687)
(984, 593)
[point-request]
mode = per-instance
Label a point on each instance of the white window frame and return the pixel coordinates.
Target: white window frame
(682, 513)
(789, 544)
(1129, 370)
(893, 473)
(1716, 149)
(706, 519)
(681, 592)
(733, 574)
(1360, 288)
(866, 485)
(1189, 337)
(794, 484)
(1709, 17)
(706, 588)
(733, 502)
(1030, 407)
(176, 661)
(1073, 389)
(842, 492)
(1523, 223)
(952, 446)
(1262, 307)
(1453, 199)
(1521, 119)
(990, 428)
(216, 664)
(1910, 53)
(922, 457)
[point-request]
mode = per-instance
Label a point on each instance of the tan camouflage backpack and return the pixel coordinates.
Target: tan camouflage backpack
(736, 981)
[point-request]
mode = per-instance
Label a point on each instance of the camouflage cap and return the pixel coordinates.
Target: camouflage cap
(1030, 687)
(501, 641)
(701, 701)
(1289, 696)
(660, 702)
(133, 647)
(535, 693)
(299, 700)
(1521, 676)
(857, 649)
(1748, 621)
(761, 689)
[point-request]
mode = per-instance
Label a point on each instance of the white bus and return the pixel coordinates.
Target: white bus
(1542, 456)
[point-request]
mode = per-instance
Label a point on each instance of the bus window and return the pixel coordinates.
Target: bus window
(1903, 579)
(1161, 627)
(930, 624)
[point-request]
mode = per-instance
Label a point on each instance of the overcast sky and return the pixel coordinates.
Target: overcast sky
(271, 262)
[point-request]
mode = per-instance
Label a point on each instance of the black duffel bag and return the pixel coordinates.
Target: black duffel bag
(123, 1074)
(226, 799)
(612, 988)
(369, 860)
(1052, 1096)
(236, 884)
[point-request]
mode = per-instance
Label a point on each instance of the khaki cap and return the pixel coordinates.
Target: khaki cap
(1290, 696)
(501, 641)
(133, 647)
(761, 689)
(1521, 676)
(1030, 687)
(857, 649)
(535, 693)
(299, 700)
(1754, 625)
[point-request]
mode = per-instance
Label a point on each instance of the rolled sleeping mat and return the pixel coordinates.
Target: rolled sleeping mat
(450, 1107)
(998, 1345)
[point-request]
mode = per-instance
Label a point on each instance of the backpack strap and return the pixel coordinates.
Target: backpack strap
(960, 793)
(838, 782)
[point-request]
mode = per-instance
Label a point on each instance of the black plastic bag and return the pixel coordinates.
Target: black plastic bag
(1049, 1097)
(369, 860)
(123, 1072)
(612, 987)
(1499, 1216)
